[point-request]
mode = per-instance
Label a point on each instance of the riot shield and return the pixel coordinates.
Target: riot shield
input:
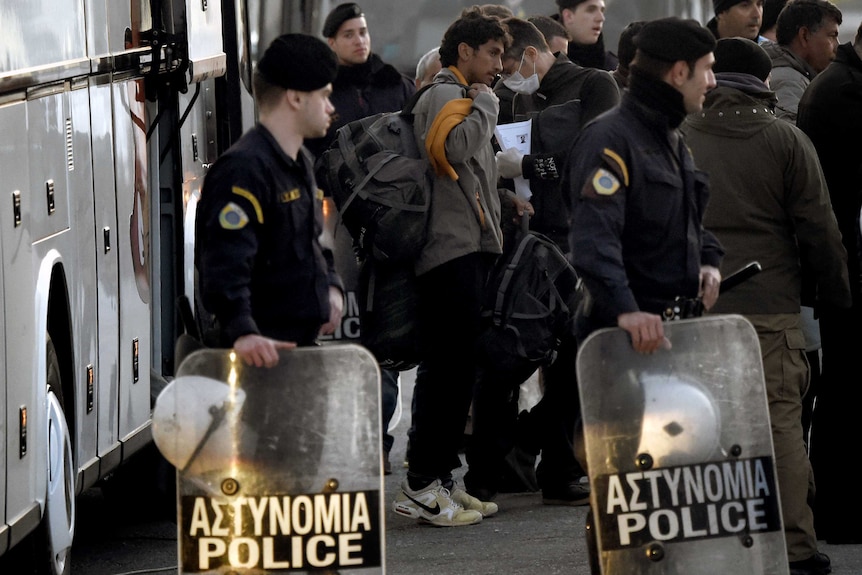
(679, 451)
(278, 469)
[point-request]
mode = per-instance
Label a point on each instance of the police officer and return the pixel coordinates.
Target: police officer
(637, 199)
(263, 273)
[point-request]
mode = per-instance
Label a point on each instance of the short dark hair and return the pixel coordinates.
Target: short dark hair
(549, 27)
(501, 11)
(523, 34)
(626, 47)
(473, 28)
(809, 14)
(654, 68)
(771, 10)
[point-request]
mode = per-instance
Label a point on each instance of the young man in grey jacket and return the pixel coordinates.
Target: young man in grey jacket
(454, 122)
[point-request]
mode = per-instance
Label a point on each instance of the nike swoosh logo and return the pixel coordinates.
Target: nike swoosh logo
(432, 510)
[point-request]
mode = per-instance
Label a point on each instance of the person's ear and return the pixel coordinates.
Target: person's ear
(679, 73)
(804, 35)
(465, 51)
(293, 98)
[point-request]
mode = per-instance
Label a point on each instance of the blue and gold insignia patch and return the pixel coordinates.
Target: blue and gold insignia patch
(232, 217)
(290, 196)
(605, 183)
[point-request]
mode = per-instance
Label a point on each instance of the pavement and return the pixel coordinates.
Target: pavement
(524, 538)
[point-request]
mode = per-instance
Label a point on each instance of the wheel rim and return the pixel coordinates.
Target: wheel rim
(60, 505)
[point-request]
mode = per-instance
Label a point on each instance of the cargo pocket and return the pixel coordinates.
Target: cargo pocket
(795, 363)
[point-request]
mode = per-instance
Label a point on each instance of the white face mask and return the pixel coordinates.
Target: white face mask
(520, 85)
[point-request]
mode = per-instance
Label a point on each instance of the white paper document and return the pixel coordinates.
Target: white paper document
(516, 135)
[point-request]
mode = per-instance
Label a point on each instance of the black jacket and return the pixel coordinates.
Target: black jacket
(361, 91)
(637, 204)
(261, 268)
(564, 81)
(593, 55)
(830, 112)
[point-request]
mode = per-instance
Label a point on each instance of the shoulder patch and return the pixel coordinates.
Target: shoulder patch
(602, 183)
(232, 217)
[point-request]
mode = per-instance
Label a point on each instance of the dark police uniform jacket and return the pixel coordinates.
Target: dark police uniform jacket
(637, 204)
(261, 267)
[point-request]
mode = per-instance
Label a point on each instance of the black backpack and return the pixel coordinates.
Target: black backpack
(530, 300)
(388, 316)
(380, 184)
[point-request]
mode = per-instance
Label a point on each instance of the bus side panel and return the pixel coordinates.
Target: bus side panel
(199, 150)
(40, 33)
(19, 331)
(7, 186)
(50, 193)
(133, 235)
(82, 282)
(107, 267)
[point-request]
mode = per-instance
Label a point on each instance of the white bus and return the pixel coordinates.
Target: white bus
(107, 123)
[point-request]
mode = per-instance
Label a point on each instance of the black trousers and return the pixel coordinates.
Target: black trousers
(450, 298)
(548, 427)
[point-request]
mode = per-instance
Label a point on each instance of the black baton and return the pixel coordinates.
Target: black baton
(739, 276)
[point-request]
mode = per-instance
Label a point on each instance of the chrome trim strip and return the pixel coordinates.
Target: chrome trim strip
(29, 77)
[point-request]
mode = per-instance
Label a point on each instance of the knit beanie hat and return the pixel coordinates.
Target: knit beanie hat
(742, 56)
(673, 38)
(338, 16)
(720, 6)
(298, 62)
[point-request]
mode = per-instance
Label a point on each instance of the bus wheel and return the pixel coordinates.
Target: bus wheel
(59, 520)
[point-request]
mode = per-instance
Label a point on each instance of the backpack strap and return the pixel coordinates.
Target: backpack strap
(407, 110)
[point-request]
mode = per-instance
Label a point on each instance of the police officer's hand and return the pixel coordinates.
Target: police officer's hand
(645, 329)
(260, 351)
(710, 282)
(336, 308)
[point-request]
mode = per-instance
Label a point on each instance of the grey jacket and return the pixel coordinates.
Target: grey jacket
(789, 78)
(768, 202)
(465, 213)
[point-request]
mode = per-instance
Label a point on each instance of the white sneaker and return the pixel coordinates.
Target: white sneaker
(467, 501)
(435, 505)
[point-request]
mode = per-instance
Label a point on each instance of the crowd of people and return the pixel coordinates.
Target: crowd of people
(694, 149)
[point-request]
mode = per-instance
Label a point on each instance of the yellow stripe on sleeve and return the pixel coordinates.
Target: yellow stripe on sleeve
(624, 171)
(252, 200)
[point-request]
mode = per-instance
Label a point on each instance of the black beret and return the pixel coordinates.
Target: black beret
(570, 4)
(671, 39)
(742, 56)
(298, 62)
(338, 16)
(720, 6)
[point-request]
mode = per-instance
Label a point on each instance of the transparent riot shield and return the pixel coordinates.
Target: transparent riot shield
(278, 469)
(679, 451)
